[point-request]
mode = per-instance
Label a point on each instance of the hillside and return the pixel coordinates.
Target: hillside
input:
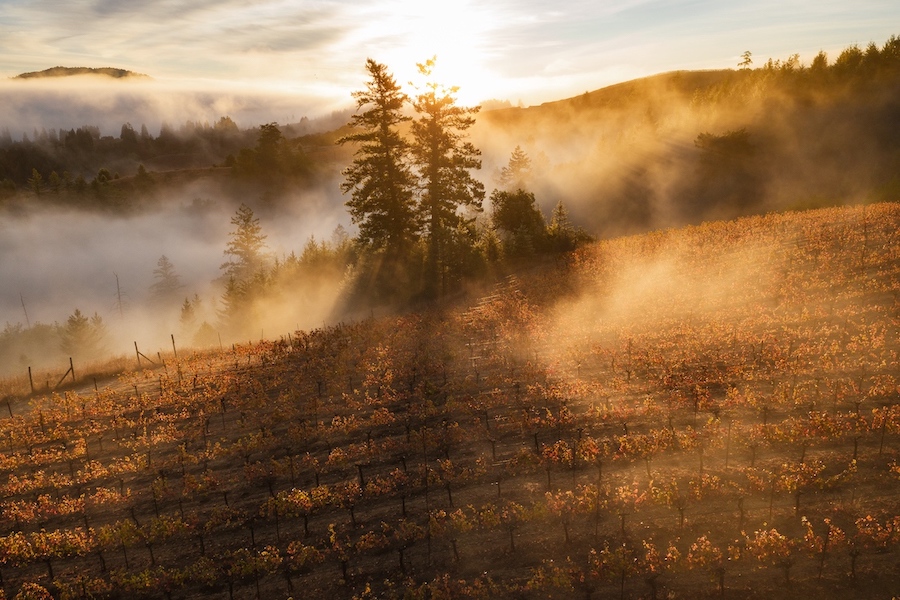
(668, 150)
(699, 412)
(74, 71)
(683, 147)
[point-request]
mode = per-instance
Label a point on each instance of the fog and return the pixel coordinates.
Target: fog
(66, 103)
(55, 260)
(630, 158)
(666, 151)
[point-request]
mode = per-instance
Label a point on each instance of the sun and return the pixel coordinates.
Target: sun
(459, 35)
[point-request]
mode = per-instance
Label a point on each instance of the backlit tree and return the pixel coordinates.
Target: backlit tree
(83, 336)
(246, 247)
(166, 281)
(379, 180)
(444, 161)
(517, 173)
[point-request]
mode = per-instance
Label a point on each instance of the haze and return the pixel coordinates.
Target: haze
(618, 171)
(532, 52)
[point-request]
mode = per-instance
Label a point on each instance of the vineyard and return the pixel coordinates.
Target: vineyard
(704, 412)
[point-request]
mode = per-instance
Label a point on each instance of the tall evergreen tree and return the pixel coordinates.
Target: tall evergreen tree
(380, 182)
(188, 317)
(246, 248)
(444, 160)
(166, 281)
(83, 336)
(36, 181)
(516, 175)
(516, 216)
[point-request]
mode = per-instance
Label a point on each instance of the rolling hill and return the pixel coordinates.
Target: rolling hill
(698, 412)
(111, 72)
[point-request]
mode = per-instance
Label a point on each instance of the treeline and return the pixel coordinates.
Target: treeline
(853, 67)
(690, 146)
(826, 134)
(83, 151)
(78, 160)
(82, 337)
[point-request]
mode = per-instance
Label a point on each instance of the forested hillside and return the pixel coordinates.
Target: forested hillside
(686, 146)
(516, 186)
(675, 148)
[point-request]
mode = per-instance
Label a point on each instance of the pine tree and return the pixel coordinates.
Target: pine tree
(36, 181)
(444, 159)
(516, 216)
(54, 181)
(167, 283)
(246, 248)
(235, 313)
(83, 337)
(562, 236)
(379, 180)
(516, 175)
(188, 317)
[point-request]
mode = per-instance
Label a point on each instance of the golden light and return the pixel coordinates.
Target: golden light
(406, 32)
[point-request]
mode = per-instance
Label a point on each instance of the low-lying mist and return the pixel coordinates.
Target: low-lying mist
(685, 147)
(57, 260)
(64, 103)
(666, 151)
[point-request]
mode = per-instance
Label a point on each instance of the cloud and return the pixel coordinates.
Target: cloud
(59, 260)
(534, 50)
(73, 102)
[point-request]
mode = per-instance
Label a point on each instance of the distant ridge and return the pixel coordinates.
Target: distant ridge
(71, 71)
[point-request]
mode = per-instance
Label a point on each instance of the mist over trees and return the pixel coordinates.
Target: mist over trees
(83, 336)
(380, 180)
(167, 284)
(415, 199)
(646, 154)
(440, 200)
(83, 168)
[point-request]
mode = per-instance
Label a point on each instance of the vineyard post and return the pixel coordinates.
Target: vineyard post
(30, 380)
(66, 374)
(174, 351)
(138, 354)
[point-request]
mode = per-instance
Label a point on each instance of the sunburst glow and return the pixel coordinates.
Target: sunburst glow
(532, 51)
(404, 33)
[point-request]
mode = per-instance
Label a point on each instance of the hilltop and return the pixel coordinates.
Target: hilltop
(698, 412)
(74, 71)
(667, 150)
(683, 147)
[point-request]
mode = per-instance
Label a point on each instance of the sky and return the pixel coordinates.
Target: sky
(526, 51)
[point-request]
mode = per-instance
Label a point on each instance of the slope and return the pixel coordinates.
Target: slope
(692, 412)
